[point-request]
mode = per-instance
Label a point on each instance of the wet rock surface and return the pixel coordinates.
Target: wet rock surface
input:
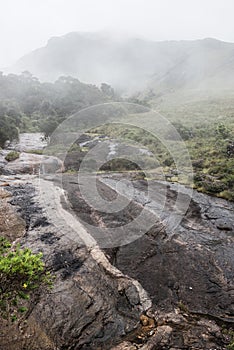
(12, 226)
(190, 268)
(194, 264)
(32, 164)
(169, 289)
(29, 162)
(91, 305)
(27, 142)
(94, 306)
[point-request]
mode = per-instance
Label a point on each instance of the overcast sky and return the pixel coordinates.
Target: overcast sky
(28, 24)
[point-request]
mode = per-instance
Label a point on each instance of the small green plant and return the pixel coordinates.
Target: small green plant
(231, 346)
(13, 155)
(182, 307)
(71, 171)
(22, 275)
(74, 148)
(229, 334)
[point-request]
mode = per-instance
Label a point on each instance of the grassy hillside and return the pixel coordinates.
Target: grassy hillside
(206, 124)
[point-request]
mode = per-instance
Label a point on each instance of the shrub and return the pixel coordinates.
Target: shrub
(222, 131)
(22, 273)
(213, 186)
(8, 129)
(119, 164)
(229, 335)
(184, 132)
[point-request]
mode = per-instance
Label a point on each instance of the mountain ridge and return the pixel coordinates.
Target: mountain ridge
(133, 64)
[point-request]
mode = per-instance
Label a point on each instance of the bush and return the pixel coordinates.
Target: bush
(119, 164)
(184, 132)
(213, 186)
(22, 273)
(222, 131)
(13, 155)
(229, 335)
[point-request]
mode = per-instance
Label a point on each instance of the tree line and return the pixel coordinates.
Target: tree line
(28, 105)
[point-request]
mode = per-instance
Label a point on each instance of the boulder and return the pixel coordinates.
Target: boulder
(29, 163)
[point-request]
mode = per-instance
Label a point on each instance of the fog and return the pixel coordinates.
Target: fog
(28, 24)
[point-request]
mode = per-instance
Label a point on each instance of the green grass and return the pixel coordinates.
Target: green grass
(35, 151)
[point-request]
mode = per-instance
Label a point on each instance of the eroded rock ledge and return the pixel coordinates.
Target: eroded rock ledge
(182, 284)
(92, 304)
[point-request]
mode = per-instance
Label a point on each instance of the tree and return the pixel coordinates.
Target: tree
(33, 105)
(107, 90)
(48, 126)
(8, 130)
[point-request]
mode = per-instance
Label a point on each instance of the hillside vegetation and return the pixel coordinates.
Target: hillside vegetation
(205, 122)
(206, 125)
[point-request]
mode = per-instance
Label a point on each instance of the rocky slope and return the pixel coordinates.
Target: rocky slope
(166, 290)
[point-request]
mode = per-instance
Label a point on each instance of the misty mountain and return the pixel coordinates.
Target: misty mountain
(133, 64)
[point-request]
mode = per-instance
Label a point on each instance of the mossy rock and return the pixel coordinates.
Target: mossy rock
(13, 155)
(35, 151)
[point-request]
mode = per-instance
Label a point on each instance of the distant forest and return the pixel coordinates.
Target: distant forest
(27, 105)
